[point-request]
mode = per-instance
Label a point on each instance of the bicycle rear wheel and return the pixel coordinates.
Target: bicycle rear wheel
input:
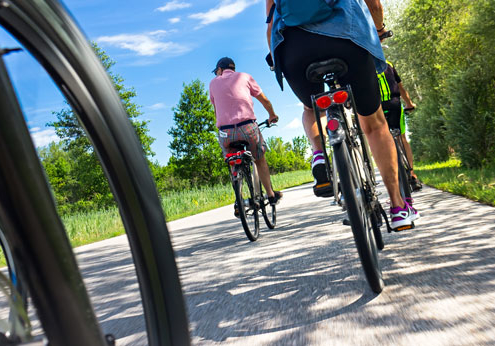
(353, 192)
(268, 211)
(247, 204)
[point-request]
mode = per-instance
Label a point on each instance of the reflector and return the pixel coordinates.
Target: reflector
(333, 124)
(324, 102)
(340, 97)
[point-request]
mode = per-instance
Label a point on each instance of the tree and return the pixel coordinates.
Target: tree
(83, 182)
(283, 157)
(196, 153)
(445, 50)
(67, 126)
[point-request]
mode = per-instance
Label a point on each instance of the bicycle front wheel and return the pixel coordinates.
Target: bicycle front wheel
(353, 191)
(269, 211)
(404, 181)
(248, 206)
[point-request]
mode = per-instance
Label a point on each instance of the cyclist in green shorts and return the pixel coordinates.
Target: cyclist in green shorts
(391, 90)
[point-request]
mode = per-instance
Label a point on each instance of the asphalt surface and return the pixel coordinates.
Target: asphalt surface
(302, 283)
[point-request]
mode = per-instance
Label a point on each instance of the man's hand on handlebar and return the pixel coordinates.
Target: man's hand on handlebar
(410, 108)
(273, 119)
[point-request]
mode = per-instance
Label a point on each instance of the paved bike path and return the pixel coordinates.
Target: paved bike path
(302, 283)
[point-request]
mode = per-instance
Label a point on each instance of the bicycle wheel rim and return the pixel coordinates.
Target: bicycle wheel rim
(360, 222)
(248, 213)
(53, 38)
(268, 211)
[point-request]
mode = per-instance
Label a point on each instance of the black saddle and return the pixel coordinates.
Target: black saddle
(239, 145)
(317, 71)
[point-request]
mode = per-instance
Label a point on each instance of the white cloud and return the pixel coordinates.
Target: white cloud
(173, 5)
(226, 10)
(299, 104)
(43, 137)
(157, 106)
(294, 124)
(174, 20)
(145, 44)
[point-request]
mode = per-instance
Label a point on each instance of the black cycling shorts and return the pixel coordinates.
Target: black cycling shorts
(394, 114)
(301, 48)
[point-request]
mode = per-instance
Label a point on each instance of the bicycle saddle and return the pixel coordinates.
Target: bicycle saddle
(317, 71)
(239, 145)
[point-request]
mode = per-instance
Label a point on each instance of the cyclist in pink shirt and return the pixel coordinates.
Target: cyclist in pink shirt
(231, 94)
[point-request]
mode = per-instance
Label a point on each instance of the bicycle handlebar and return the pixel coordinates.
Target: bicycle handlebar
(386, 34)
(266, 123)
(409, 110)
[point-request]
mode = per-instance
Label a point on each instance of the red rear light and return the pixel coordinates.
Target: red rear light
(231, 163)
(340, 97)
(333, 124)
(324, 102)
(238, 161)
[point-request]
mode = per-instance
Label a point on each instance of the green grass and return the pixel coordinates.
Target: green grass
(475, 184)
(89, 227)
(185, 203)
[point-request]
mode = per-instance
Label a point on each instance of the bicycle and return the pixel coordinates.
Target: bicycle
(250, 199)
(404, 167)
(353, 163)
(35, 236)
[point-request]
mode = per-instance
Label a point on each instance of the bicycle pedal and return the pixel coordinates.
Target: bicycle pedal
(404, 228)
(323, 190)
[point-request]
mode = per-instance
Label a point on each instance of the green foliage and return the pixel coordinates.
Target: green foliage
(444, 51)
(475, 183)
(284, 157)
(72, 166)
(196, 155)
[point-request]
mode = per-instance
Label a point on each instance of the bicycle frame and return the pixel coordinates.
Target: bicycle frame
(349, 130)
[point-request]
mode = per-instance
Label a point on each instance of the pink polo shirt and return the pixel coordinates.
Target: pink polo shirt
(231, 94)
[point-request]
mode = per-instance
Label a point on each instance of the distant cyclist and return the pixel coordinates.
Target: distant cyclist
(391, 90)
(231, 94)
(341, 29)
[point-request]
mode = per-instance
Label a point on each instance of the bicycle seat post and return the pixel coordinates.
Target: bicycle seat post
(330, 79)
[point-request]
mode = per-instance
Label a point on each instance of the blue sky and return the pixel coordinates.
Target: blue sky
(158, 46)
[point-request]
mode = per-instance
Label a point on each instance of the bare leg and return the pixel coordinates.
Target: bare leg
(383, 148)
(264, 174)
(409, 155)
(311, 128)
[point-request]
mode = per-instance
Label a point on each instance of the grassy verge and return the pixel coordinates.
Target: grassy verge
(93, 226)
(475, 184)
(185, 203)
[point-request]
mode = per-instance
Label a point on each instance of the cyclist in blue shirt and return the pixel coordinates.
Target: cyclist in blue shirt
(351, 34)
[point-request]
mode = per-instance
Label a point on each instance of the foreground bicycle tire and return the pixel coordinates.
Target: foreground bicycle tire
(247, 204)
(29, 216)
(361, 229)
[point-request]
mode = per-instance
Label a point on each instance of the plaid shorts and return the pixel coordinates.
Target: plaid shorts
(249, 133)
